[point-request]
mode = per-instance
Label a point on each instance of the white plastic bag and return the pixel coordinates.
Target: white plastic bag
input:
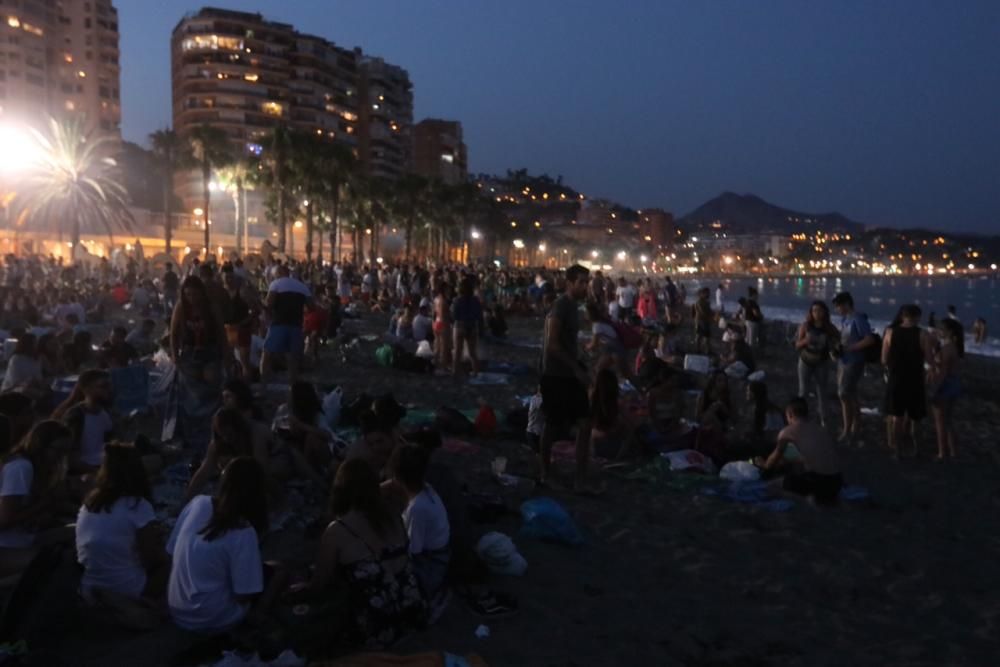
(689, 459)
(331, 407)
(740, 471)
(424, 350)
(696, 363)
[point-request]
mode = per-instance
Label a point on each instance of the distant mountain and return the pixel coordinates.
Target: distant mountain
(745, 214)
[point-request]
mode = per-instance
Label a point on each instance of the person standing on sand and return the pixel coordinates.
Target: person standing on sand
(719, 291)
(814, 341)
(979, 331)
(905, 348)
(822, 478)
(946, 384)
(855, 337)
(702, 314)
(564, 382)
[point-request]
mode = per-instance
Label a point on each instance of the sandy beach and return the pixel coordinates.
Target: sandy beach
(670, 576)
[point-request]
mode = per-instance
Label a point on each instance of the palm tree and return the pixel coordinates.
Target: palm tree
(210, 150)
(360, 210)
(237, 177)
(277, 165)
(411, 203)
(338, 165)
(170, 153)
(75, 180)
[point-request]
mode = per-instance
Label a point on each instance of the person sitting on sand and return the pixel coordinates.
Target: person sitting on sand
(426, 521)
(822, 477)
(303, 425)
(376, 443)
(232, 437)
(611, 434)
(217, 577)
(118, 540)
(669, 348)
(365, 549)
(85, 412)
(739, 350)
(32, 493)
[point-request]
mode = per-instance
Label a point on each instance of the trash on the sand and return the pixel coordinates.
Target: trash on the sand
(331, 407)
(507, 480)
(489, 378)
(740, 471)
(697, 363)
(854, 493)
(546, 520)
(369, 338)
(873, 412)
(424, 350)
(500, 555)
(287, 658)
(482, 632)
(757, 376)
(627, 387)
(689, 459)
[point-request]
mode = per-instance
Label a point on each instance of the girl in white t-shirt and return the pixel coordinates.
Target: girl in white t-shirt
(31, 493)
(118, 542)
(217, 571)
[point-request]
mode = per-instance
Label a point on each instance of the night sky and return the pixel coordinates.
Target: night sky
(888, 111)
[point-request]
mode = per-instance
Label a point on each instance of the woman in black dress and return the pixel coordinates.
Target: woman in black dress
(905, 349)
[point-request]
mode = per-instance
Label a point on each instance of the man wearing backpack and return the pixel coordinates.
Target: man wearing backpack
(856, 337)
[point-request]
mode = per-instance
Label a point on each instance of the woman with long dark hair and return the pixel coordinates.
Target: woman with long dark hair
(86, 413)
(217, 570)
(366, 547)
(198, 348)
(118, 541)
(30, 481)
(815, 340)
(946, 383)
(232, 437)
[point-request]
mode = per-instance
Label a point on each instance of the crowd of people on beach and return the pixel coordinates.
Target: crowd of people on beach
(656, 372)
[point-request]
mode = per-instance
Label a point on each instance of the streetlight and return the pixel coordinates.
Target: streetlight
(595, 253)
(621, 255)
(476, 235)
(643, 259)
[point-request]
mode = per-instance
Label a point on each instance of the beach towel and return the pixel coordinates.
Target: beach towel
(750, 493)
(489, 378)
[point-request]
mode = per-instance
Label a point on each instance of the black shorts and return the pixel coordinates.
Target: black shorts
(564, 400)
(825, 488)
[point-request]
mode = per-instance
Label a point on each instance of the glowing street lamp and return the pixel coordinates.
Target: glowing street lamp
(643, 259)
(621, 255)
(595, 253)
(476, 235)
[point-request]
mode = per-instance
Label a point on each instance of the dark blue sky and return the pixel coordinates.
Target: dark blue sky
(888, 111)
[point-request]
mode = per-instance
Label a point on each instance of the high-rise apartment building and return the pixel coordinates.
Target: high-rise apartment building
(60, 57)
(439, 152)
(386, 118)
(246, 75)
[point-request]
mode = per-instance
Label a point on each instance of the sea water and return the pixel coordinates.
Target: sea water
(879, 297)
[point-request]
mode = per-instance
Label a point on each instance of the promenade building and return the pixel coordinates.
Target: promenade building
(61, 59)
(386, 118)
(246, 75)
(439, 152)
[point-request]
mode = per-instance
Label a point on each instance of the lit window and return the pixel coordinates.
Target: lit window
(68, 57)
(447, 157)
(13, 22)
(272, 108)
(82, 74)
(212, 42)
(70, 105)
(34, 30)
(252, 78)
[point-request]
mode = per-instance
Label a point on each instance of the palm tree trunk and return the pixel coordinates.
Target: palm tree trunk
(309, 231)
(246, 227)
(281, 217)
(319, 253)
(206, 177)
(168, 205)
(335, 230)
(409, 233)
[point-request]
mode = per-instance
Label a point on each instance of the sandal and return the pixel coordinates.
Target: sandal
(493, 605)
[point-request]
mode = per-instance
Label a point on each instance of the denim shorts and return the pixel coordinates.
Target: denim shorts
(283, 339)
(848, 379)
